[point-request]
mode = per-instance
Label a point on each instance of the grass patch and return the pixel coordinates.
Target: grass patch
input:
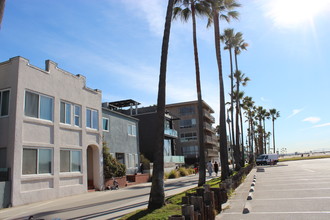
(162, 213)
(304, 158)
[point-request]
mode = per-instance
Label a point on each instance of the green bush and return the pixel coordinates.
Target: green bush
(145, 162)
(173, 174)
(111, 167)
(183, 171)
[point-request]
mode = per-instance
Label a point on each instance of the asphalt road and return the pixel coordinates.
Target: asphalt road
(97, 205)
(290, 190)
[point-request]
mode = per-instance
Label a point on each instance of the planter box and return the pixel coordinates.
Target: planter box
(121, 182)
(138, 178)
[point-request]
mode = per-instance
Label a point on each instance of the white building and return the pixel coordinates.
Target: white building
(50, 132)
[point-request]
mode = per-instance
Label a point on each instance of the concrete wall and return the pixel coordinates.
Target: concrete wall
(118, 140)
(28, 132)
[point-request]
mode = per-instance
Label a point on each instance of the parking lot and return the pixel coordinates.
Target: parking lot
(289, 190)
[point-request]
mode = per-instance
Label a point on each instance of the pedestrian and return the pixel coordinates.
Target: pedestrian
(216, 168)
(209, 168)
(141, 168)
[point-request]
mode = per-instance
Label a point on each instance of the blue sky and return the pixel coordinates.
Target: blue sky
(116, 44)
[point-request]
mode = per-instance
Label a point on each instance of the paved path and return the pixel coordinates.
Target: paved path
(290, 190)
(97, 205)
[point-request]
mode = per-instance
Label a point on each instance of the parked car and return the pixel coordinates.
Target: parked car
(267, 159)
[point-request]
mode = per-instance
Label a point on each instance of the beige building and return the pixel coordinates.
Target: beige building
(187, 127)
(50, 132)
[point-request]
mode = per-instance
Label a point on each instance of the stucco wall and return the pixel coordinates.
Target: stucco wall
(35, 133)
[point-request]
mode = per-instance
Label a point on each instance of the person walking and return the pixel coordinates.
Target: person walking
(216, 168)
(209, 167)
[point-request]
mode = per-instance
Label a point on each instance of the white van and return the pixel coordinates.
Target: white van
(265, 159)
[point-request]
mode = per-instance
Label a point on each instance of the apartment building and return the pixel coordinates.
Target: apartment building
(121, 136)
(50, 132)
(187, 128)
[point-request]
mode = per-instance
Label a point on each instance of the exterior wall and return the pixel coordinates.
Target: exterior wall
(30, 132)
(119, 141)
(211, 145)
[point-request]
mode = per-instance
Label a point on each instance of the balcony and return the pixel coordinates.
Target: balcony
(207, 115)
(170, 133)
(173, 159)
(210, 139)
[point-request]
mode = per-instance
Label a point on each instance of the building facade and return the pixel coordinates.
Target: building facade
(187, 127)
(50, 132)
(121, 136)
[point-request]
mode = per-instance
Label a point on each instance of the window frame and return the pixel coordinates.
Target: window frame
(1, 102)
(91, 116)
(39, 105)
(71, 160)
(130, 130)
(107, 123)
(66, 104)
(38, 160)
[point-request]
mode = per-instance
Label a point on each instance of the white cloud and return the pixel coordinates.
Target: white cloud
(153, 11)
(295, 112)
(312, 119)
(322, 125)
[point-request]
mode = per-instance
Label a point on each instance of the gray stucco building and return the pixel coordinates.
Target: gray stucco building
(121, 135)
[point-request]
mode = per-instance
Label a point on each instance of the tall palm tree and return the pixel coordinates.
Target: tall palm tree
(227, 39)
(2, 10)
(222, 9)
(265, 116)
(241, 79)
(157, 195)
(274, 114)
(260, 116)
(248, 106)
(239, 45)
(186, 9)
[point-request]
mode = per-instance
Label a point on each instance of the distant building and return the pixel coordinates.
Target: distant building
(50, 132)
(147, 130)
(187, 128)
(121, 135)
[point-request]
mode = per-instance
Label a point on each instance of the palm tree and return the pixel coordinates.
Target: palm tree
(239, 45)
(2, 10)
(248, 106)
(186, 9)
(274, 114)
(222, 10)
(260, 116)
(241, 79)
(157, 195)
(265, 116)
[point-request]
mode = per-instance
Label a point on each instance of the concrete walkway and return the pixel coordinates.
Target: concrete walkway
(294, 190)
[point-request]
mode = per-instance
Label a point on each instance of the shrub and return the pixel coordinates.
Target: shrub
(173, 174)
(183, 171)
(145, 162)
(111, 167)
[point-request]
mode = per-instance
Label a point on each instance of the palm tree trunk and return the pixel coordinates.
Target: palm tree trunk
(232, 96)
(202, 173)
(157, 195)
(222, 118)
(242, 134)
(2, 10)
(273, 136)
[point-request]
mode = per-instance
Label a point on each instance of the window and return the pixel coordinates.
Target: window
(131, 129)
(77, 113)
(92, 118)
(189, 123)
(65, 113)
(167, 147)
(36, 161)
(190, 150)
(105, 124)
(4, 103)
(190, 136)
(120, 157)
(188, 110)
(38, 106)
(3, 157)
(70, 161)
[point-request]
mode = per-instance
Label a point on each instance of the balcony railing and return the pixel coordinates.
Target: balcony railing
(171, 132)
(209, 116)
(174, 159)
